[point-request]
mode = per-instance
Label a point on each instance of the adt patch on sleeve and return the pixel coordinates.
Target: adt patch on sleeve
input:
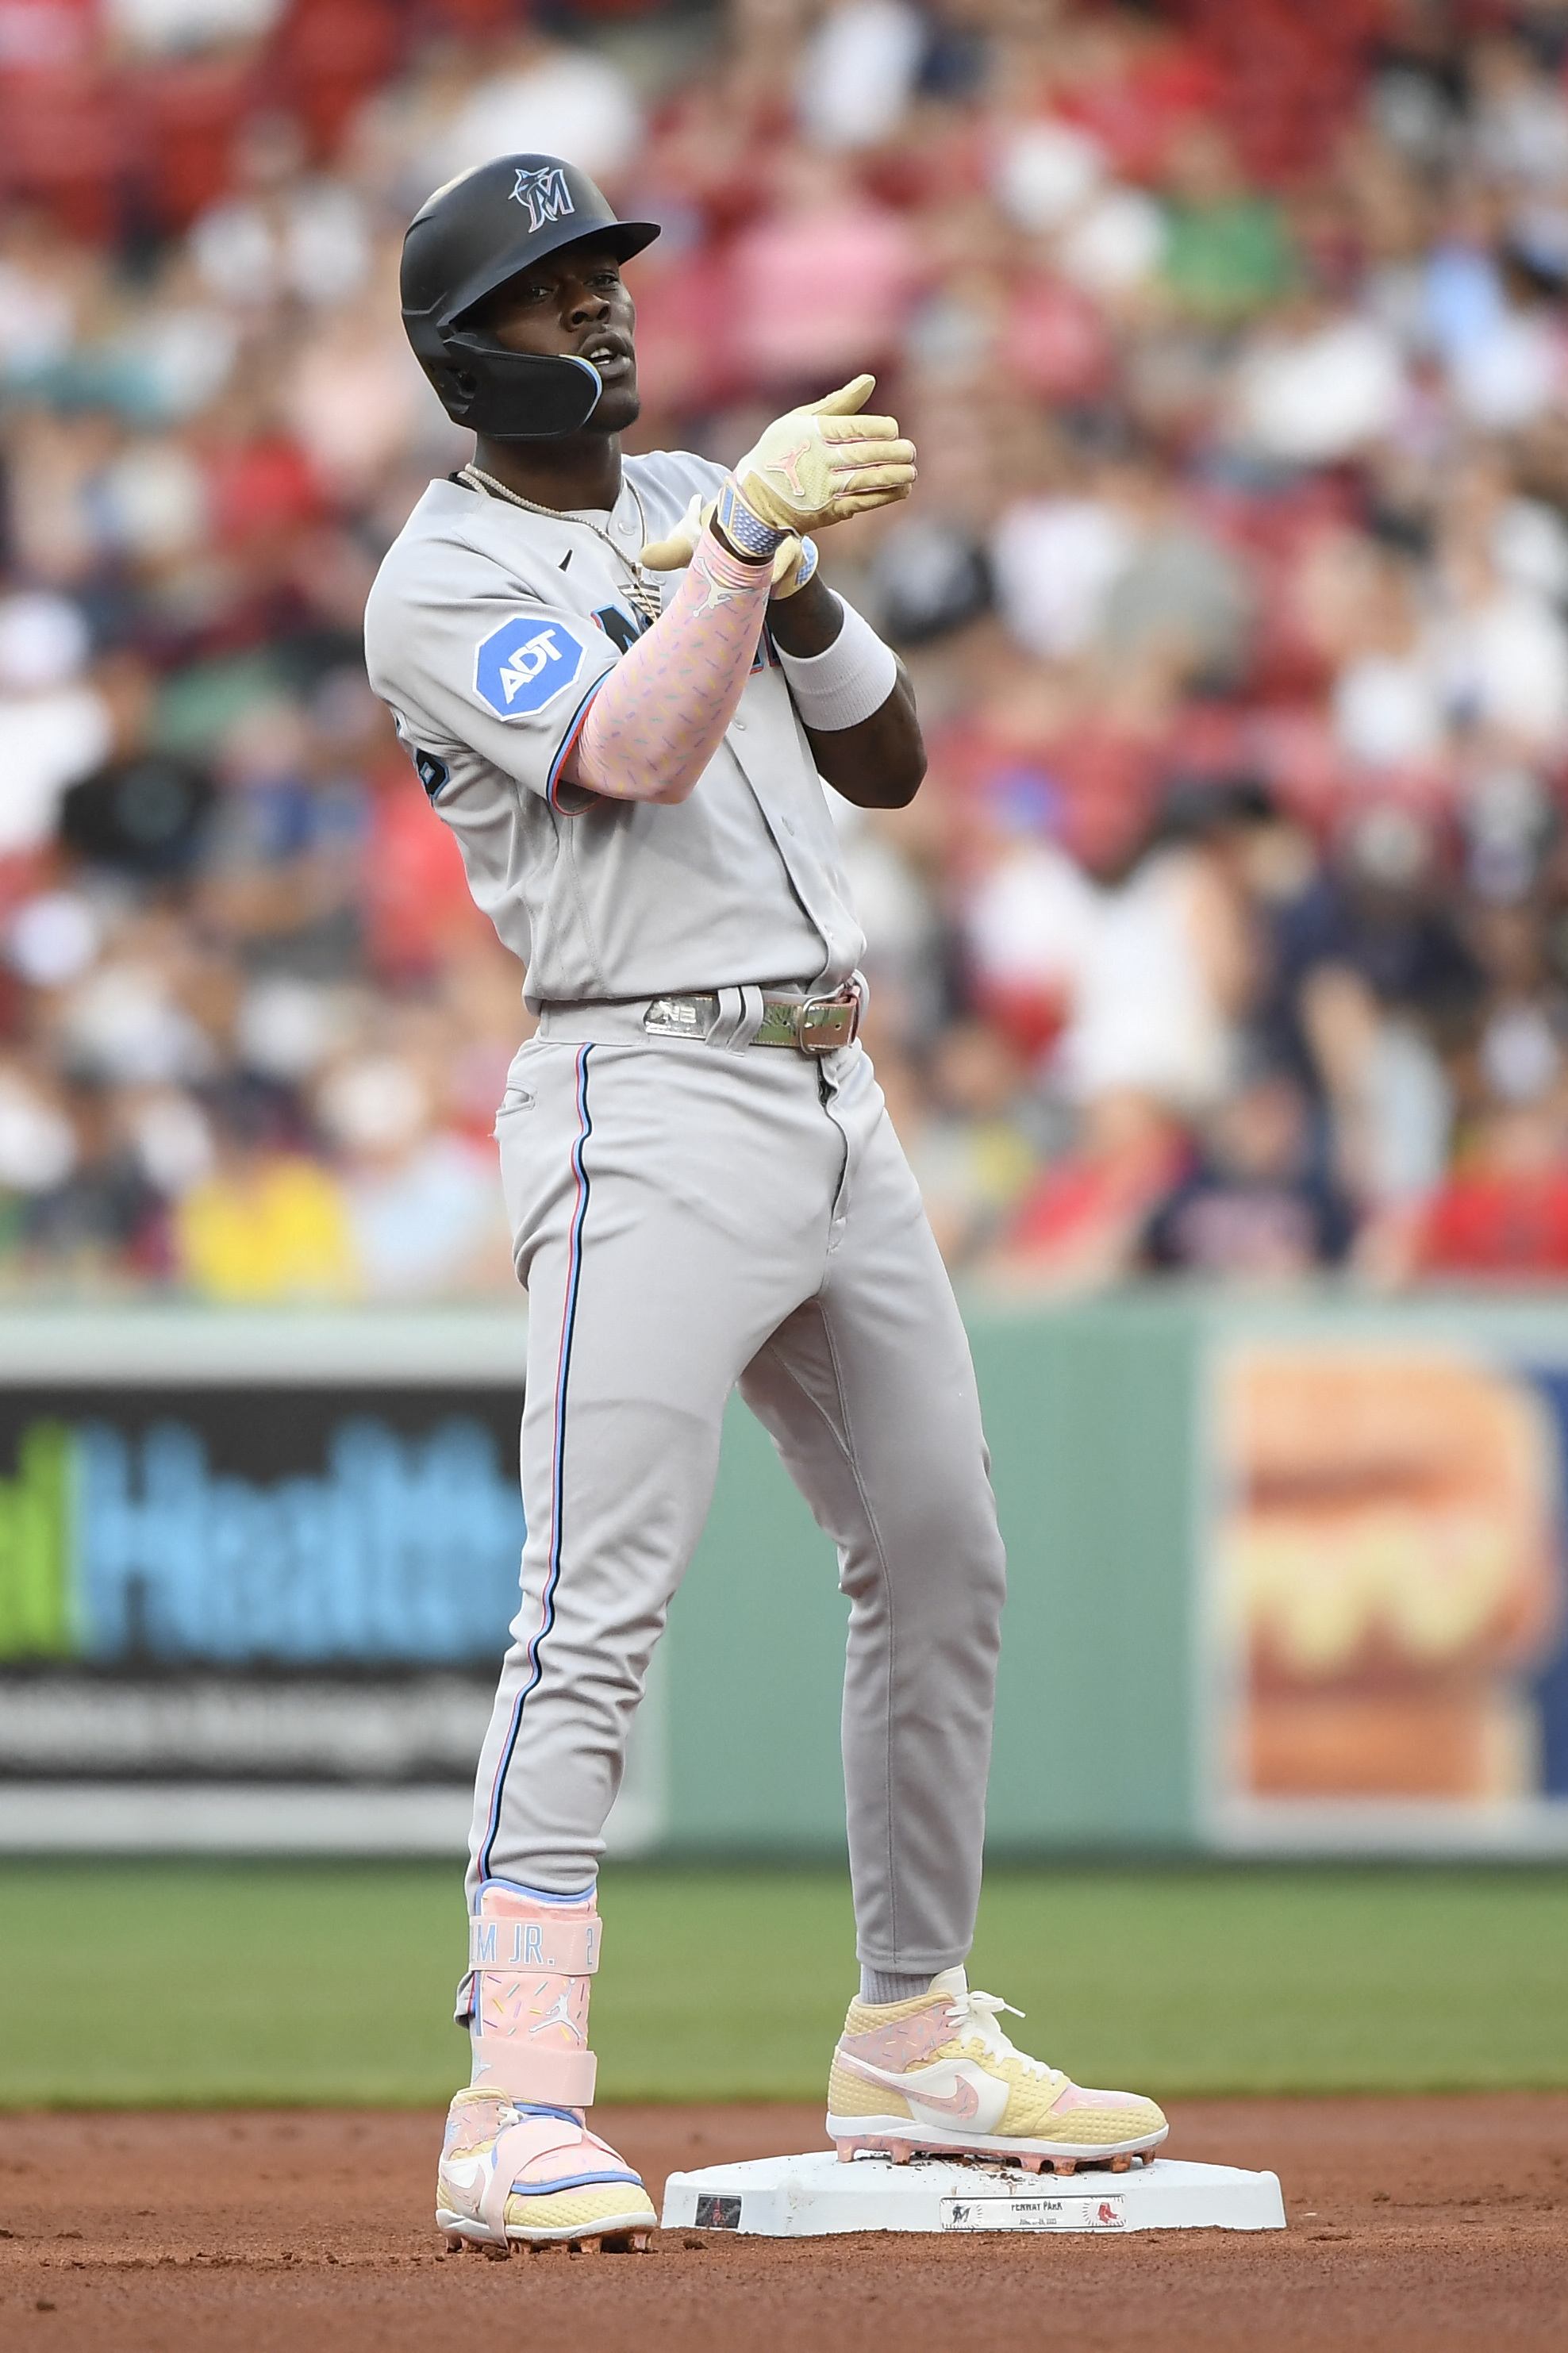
(523, 666)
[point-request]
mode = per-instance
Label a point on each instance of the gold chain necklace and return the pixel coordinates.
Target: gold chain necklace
(643, 595)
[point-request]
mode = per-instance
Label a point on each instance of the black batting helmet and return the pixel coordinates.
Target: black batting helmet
(469, 239)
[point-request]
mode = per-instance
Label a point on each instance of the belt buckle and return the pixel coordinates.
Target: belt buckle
(823, 1024)
(681, 1017)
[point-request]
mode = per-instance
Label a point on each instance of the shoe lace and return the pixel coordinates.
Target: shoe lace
(975, 2013)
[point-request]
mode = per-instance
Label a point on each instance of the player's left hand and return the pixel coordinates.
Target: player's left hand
(794, 560)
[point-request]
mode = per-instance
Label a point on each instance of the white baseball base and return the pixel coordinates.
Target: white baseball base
(815, 2196)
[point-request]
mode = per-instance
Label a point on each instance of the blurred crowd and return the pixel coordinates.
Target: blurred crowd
(1229, 934)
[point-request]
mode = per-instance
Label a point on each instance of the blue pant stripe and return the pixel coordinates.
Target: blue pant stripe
(558, 1468)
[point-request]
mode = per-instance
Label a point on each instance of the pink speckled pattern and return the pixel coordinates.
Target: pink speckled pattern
(903, 2042)
(549, 2009)
(661, 715)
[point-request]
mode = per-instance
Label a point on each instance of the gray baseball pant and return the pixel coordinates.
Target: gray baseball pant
(686, 1216)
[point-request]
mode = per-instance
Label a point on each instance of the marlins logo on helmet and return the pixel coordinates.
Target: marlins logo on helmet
(545, 194)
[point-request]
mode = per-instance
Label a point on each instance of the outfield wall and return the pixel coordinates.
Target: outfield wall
(1282, 1579)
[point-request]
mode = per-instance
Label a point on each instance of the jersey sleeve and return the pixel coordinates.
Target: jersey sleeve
(509, 677)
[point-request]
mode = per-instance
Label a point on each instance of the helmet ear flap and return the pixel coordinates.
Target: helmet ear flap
(516, 395)
(530, 399)
(505, 396)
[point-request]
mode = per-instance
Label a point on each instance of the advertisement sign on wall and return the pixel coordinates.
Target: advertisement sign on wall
(217, 1526)
(271, 1592)
(1294, 1573)
(256, 1580)
(1389, 1596)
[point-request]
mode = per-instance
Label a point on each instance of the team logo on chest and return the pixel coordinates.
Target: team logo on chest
(545, 194)
(525, 664)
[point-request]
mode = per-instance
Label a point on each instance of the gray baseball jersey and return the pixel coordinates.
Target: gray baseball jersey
(486, 631)
(690, 1214)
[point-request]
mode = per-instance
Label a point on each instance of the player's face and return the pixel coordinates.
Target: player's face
(573, 304)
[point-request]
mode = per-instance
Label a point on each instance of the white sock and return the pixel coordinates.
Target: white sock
(889, 1985)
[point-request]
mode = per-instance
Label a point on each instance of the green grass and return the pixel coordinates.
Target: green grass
(153, 1984)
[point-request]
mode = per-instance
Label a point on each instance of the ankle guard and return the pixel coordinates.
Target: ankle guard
(533, 1967)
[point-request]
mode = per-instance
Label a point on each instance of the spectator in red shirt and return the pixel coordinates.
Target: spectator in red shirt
(1505, 1210)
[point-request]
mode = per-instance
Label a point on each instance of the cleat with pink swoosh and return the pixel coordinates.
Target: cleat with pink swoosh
(937, 2077)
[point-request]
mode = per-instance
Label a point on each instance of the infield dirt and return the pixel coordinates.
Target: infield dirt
(1414, 2223)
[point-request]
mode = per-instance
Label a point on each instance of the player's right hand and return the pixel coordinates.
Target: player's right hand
(819, 465)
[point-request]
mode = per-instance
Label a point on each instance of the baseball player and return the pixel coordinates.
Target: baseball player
(621, 684)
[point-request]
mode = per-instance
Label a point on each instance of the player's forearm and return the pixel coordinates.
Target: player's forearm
(882, 762)
(660, 716)
(807, 623)
(876, 759)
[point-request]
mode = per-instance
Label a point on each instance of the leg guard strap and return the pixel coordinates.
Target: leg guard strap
(523, 2071)
(517, 2146)
(523, 1939)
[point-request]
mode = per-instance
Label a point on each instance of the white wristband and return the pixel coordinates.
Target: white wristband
(846, 684)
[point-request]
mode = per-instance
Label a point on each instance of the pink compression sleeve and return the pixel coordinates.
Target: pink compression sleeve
(661, 713)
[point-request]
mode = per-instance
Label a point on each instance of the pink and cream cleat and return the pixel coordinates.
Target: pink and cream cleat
(514, 2175)
(518, 2166)
(937, 2075)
